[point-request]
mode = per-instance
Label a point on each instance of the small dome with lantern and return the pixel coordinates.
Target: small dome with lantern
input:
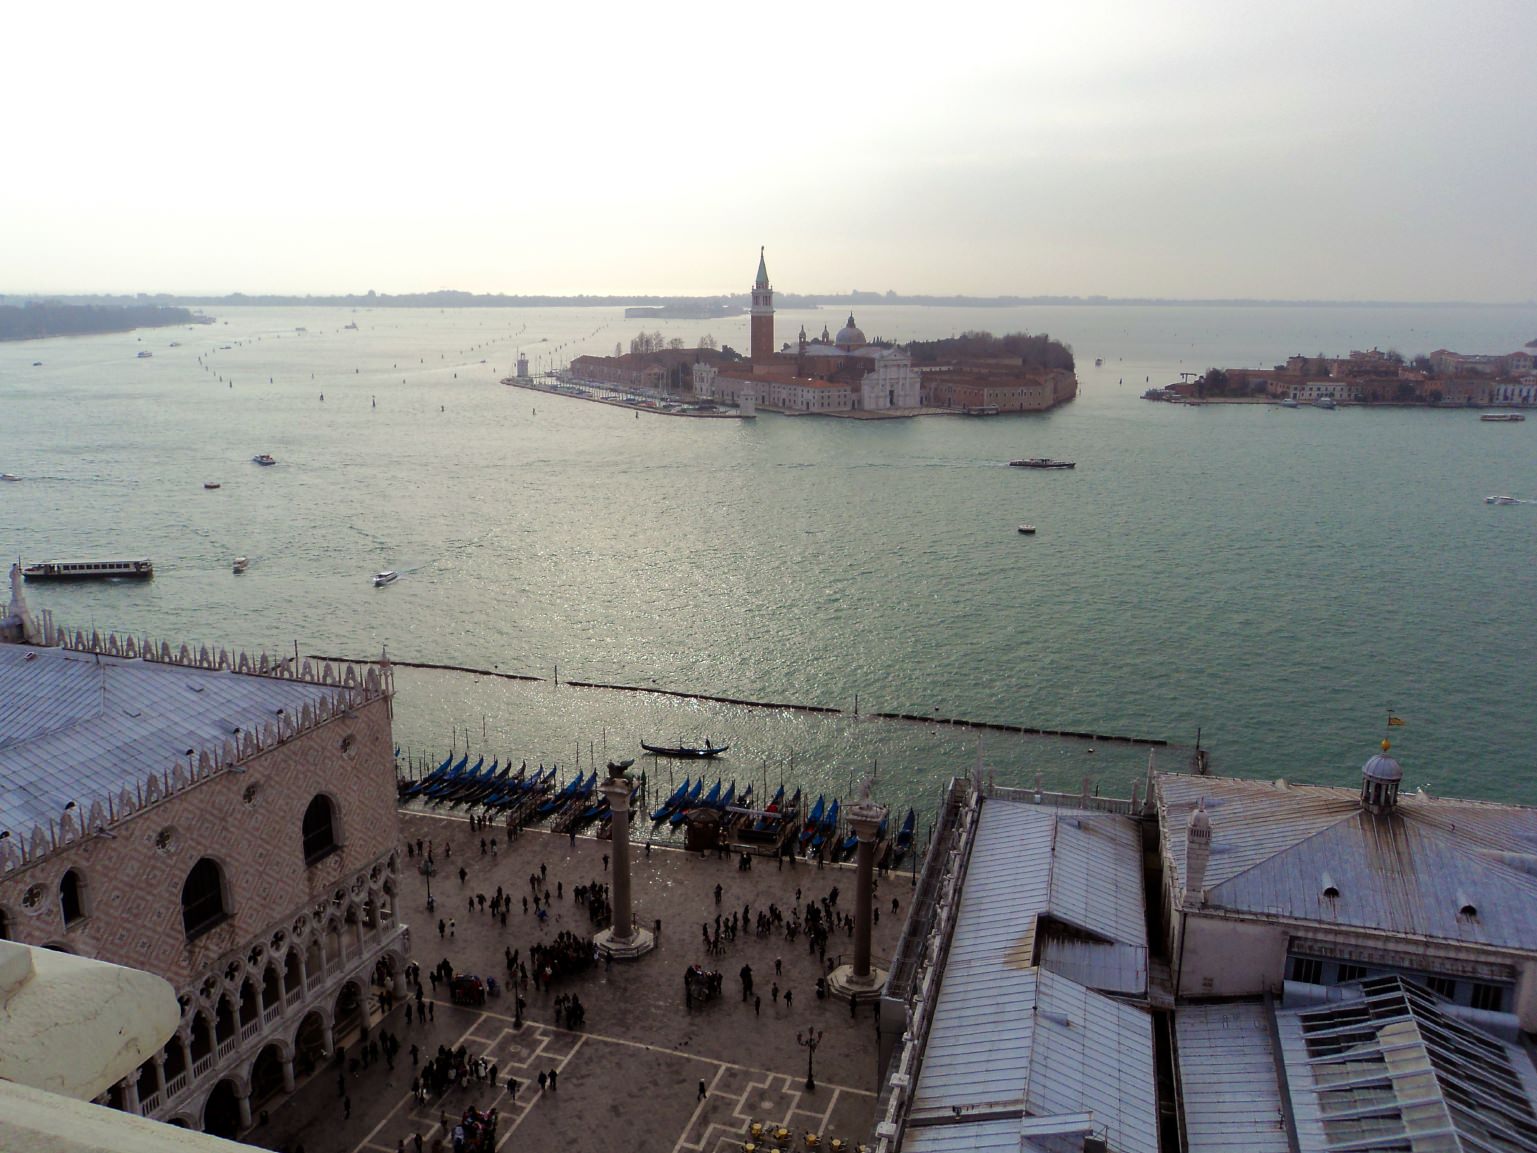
(1380, 777)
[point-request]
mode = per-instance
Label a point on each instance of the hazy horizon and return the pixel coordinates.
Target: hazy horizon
(1203, 151)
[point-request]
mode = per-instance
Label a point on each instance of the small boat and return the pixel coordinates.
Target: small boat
(388, 577)
(37, 364)
(1027, 530)
(241, 564)
(264, 458)
(1325, 402)
(9, 476)
(210, 484)
(1501, 500)
(1042, 462)
(175, 344)
(1502, 417)
(1099, 362)
(686, 752)
(145, 354)
(351, 325)
(1289, 402)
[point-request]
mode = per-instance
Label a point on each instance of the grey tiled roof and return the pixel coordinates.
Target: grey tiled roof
(1411, 872)
(78, 726)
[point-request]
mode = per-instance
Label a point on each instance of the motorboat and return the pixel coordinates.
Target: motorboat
(1041, 462)
(1027, 530)
(1502, 417)
(89, 570)
(241, 564)
(1501, 500)
(264, 458)
(686, 752)
(1326, 402)
(9, 476)
(145, 354)
(1289, 402)
(388, 577)
(210, 484)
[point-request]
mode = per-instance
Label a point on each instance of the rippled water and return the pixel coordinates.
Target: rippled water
(1277, 579)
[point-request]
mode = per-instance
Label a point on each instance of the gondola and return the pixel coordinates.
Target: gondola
(904, 840)
(680, 814)
(664, 810)
(826, 828)
(813, 820)
(685, 752)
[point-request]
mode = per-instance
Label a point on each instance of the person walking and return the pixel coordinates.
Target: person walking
(553, 1074)
(346, 1108)
(543, 1078)
(702, 1093)
(746, 975)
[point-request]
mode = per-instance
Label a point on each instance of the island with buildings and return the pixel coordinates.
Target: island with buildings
(1439, 379)
(843, 373)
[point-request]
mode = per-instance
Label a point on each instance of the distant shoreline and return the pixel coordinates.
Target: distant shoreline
(736, 303)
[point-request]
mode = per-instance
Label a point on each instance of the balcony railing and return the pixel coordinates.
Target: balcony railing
(175, 1086)
(271, 1014)
(202, 1065)
(227, 1047)
(149, 1104)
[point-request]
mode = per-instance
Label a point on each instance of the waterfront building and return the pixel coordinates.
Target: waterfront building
(223, 822)
(840, 374)
(1320, 969)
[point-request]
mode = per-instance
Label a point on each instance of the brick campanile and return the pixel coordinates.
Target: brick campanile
(762, 316)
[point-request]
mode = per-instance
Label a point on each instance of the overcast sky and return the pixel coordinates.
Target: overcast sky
(1348, 149)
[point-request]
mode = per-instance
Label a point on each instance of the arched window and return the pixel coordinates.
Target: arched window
(71, 901)
(319, 830)
(202, 898)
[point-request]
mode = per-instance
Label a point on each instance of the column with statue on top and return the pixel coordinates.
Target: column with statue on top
(623, 939)
(861, 980)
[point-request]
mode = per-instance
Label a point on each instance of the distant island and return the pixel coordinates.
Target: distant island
(37, 319)
(1438, 379)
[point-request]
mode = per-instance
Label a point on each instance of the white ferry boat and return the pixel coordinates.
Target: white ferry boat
(85, 570)
(387, 577)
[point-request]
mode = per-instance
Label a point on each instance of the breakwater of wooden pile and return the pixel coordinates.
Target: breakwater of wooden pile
(785, 706)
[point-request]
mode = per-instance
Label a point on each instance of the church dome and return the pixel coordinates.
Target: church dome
(849, 335)
(1382, 767)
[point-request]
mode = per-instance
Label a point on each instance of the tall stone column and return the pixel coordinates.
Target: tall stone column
(288, 1074)
(243, 1103)
(860, 980)
(622, 939)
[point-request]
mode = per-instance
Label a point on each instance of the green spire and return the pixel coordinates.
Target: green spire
(762, 272)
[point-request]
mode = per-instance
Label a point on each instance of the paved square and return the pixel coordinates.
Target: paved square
(629, 1078)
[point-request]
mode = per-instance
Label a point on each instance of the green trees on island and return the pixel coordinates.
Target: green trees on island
(41, 318)
(1025, 349)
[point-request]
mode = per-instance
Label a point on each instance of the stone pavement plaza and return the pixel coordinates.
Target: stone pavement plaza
(628, 1079)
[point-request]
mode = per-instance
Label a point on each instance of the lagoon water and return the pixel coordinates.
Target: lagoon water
(1276, 579)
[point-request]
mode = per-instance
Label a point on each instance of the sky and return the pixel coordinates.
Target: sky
(1365, 150)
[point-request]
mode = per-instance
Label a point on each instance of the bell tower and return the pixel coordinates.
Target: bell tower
(762, 316)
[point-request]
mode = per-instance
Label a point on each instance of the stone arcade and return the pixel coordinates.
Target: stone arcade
(224, 822)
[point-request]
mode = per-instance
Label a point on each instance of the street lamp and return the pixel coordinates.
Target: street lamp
(428, 868)
(809, 1042)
